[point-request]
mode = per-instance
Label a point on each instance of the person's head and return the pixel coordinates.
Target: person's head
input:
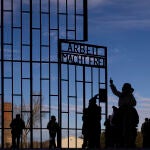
(114, 108)
(53, 118)
(109, 117)
(127, 88)
(17, 116)
(146, 119)
(92, 101)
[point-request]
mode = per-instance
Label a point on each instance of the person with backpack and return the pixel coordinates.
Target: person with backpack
(17, 125)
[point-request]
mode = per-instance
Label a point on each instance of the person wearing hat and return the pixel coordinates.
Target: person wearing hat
(126, 97)
(127, 115)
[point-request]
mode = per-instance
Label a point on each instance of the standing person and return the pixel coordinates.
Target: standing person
(127, 115)
(145, 133)
(93, 124)
(108, 132)
(116, 128)
(53, 128)
(17, 125)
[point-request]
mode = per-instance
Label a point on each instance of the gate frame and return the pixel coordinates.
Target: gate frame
(85, 38)
(104, 95)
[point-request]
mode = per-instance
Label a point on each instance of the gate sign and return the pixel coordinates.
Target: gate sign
(83, 54)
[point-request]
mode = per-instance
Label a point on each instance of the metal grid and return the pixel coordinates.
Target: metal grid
(80, 79)
(29, 34)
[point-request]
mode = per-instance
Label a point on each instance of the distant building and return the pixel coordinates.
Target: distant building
(7, 121)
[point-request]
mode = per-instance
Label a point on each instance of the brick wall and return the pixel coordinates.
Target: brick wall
(7, 121)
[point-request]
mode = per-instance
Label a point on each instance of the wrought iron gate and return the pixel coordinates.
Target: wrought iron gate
(32, 76)
(82, 74)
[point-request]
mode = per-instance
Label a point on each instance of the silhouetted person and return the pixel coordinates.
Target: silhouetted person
(84, 128)
(116, 127)
(149, 132)
(108, 132)
(127, 117)
(126, 97)
(145, 129)
(93, 123)
(17, 125)
(53, 128)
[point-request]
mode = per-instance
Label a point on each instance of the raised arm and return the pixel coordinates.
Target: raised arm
(114, 89)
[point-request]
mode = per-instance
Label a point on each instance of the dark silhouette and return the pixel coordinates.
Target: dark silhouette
(126, 97)
(126, 117)
(116, 128)
(112, 130)
(17, 125)
(53, 128)
(145, 130)
(108, 132)
(91, 124)
(84, 128)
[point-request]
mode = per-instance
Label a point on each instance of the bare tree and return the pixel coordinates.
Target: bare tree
(37, 101)
(36, 115)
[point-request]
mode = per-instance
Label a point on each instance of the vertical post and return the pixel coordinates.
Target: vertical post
(41, 144)
(31, 91)
(21, 67)
(84, 87)
(106, 82)
(76, 105)
(85, 22)
(2, 72)
(59, 136)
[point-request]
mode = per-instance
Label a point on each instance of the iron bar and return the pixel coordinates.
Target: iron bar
(2, 71)
(31, 77)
